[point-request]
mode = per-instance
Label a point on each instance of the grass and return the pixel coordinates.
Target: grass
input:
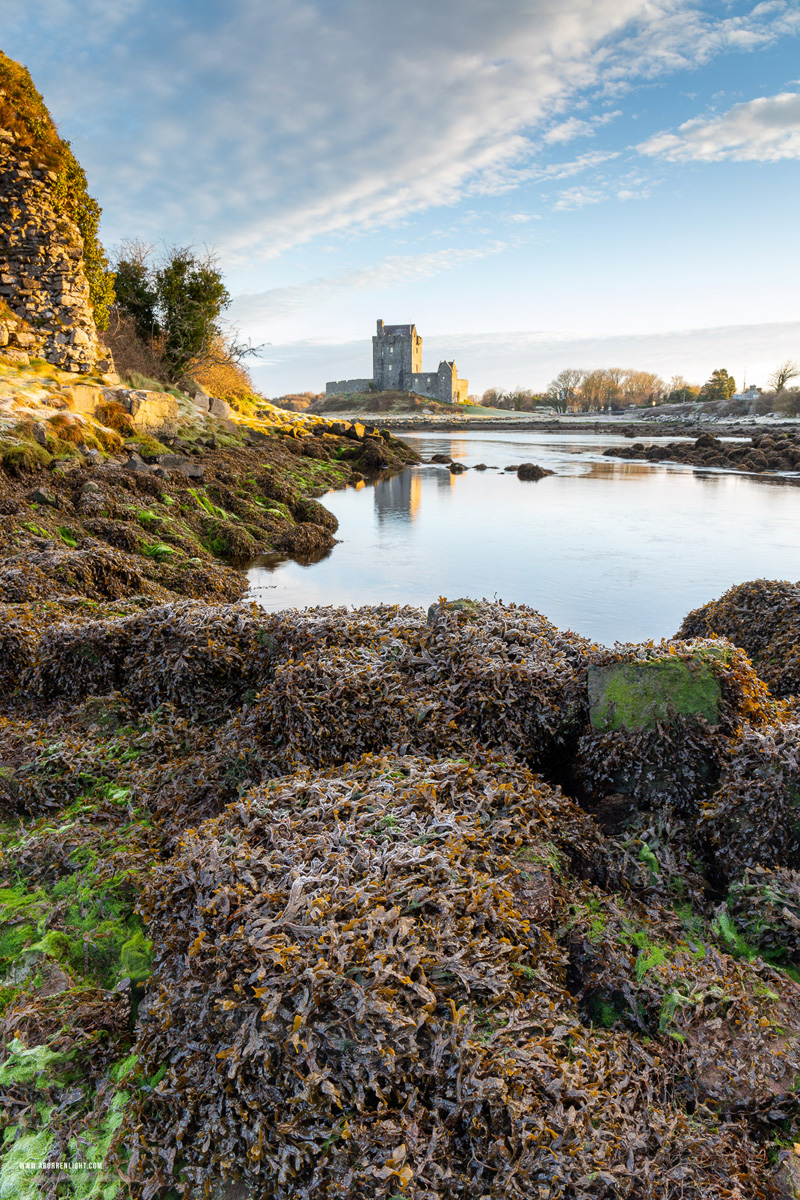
(19, 457)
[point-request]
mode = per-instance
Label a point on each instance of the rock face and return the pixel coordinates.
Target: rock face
(150, 412)
(52, 269)
(41, 269)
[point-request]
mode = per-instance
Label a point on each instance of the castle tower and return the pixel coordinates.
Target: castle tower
(396, 356)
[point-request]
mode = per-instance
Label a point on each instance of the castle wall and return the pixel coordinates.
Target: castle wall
(424, 384)
(41, 267)
(347, 387)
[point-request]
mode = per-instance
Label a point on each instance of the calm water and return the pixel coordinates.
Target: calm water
(614, 550)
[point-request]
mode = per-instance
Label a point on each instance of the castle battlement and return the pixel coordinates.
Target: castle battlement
(397, 367)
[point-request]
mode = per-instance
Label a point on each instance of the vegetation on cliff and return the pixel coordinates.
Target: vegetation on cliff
(174, 306)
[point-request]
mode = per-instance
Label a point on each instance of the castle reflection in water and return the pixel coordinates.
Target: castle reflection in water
(398, 498)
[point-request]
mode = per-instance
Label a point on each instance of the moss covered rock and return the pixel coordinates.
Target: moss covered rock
(642, 695)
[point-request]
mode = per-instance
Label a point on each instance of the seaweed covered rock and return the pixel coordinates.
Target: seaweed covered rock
(93, 570)
(641, 695)
(198, 657)
(306, 541)
(532, 471)
(500, 675)
(314, 513)
(369, 962)
(760, 453)
(389, 961)
(763, 908)
(763, 617)
(663, 717)
(731, 1028)
(753, 815)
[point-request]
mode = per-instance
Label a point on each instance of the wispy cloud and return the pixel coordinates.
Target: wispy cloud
(579, 197)
(393, 271)
(762, 130)
(260, 125)
(575, 127)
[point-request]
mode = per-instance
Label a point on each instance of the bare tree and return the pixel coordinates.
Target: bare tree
(602, 387)
(643, 387)
(679, 390)
(782, 374)
(494, 398)
(564, 388)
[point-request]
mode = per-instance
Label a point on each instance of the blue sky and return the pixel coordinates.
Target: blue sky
(536, 185)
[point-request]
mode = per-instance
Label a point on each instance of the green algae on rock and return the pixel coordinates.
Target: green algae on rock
(636, 696)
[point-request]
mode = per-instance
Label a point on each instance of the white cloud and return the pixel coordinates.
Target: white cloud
(565, 131)
(575, 127)
(260, 125)
(762, 130)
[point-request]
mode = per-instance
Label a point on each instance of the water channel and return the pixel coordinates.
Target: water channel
(618, 551)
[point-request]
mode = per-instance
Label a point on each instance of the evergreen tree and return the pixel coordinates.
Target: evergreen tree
(720, 386)
(174, 304)
(191, 296)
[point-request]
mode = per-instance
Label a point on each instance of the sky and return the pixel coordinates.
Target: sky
(536, 185)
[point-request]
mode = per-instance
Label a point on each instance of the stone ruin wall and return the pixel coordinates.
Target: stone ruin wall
(41, 272)
(347, 387)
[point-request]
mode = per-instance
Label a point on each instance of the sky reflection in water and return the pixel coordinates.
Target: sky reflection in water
(614, 550)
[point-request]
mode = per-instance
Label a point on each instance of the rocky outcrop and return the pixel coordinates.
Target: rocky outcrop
(150, 412)
(528, 471)
(778, 451)
(42, 279)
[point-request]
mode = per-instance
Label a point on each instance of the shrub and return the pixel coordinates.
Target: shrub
(109, 439)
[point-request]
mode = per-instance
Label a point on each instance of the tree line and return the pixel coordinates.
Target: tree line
(617, 388)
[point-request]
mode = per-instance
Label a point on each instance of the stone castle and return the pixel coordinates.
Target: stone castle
(397, 367)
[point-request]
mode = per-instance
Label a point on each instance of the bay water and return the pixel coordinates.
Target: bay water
(617, 551)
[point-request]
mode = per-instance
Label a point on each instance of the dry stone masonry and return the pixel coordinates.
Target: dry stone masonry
(42, 281)
(397, 366)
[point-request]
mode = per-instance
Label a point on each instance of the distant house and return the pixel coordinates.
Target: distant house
(397, 367)
(752, 393)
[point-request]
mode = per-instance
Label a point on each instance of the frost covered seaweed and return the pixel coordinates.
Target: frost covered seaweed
(763, 617)
(380, 904)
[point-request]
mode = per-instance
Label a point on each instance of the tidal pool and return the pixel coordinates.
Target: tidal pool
(618, 551)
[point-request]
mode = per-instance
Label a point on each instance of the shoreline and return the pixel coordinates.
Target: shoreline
(623, 426)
